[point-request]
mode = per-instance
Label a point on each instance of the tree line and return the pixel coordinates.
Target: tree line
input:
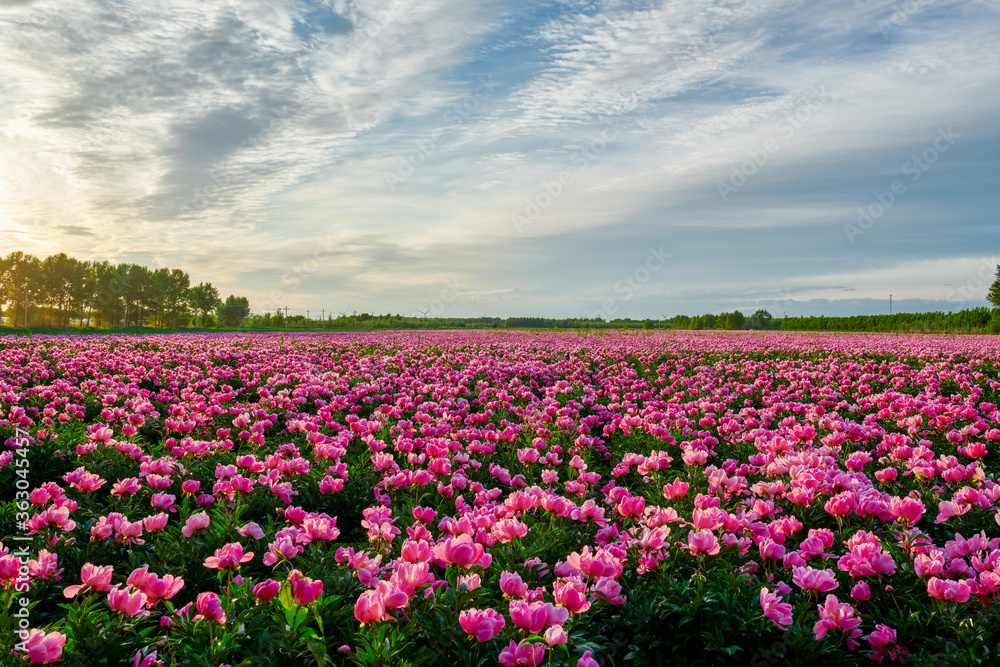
(61, 292)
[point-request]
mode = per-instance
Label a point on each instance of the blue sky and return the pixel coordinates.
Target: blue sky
(560, 158)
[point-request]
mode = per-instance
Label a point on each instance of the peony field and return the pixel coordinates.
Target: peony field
(499, 497)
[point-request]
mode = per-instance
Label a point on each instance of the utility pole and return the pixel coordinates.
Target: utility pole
(286, 315)
(890, 304)
(25, 305)
(355, 319)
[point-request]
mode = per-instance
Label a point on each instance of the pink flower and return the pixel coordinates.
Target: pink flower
(556, 635)
(210, 606)
(866, 560)
(528, 615)
(44, 567)
(266, 590)
(770, 549)
(632, 506)
(952, 591)
(460, 551)
(304, 589)
(928, 564)
(154, 587)
(881, 641)
(195, 523)
(155, 522)
(861, 591)
(676, 489)
(190, 486)
(587, 660)
(780, 613)
(842, 504)
(906, 510)
(485, 624)
(508, 530)
(149, 660)
(43, 648)
(369, 608)
(704, 541)
(128, 602)
(837, 615)
(572, 595)
(251, 530)
(94, 578)
(522, 655)
(229, 557)
(512, 585)
(163, 501)
(813, 580)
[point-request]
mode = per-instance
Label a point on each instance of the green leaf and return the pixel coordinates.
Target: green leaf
(317, 647)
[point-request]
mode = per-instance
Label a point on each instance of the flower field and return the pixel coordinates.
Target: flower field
(508, 498)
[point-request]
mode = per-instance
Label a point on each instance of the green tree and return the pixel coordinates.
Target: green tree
(204, 298)
(994, 294)
(760, 320)
(232, 312)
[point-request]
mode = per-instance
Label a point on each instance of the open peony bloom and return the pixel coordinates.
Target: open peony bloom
(93, 578)
(195, 523)
(229, 557)
(460, 551)
(304, 589)
(369, 608)
(210, 606)
(703, 542)
(813, 580)
(128, 601)
(522, 655)
(780, 613)
(42, 648)
(950, 591)
(837, 615)
(484, 624)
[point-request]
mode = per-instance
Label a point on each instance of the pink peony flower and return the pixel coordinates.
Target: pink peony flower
(304, 589)
(703, 541)
(93, 578)
(837, 615)
(484, 624)
(780, 613)
(129, 602)
(42, 648)
(228, 557)
(951, 591)
(813, 580)
(195, 523)
(266, 590)
(369, 608)
(209, 606)
(524, 654)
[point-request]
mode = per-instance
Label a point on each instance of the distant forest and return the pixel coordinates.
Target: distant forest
(61, 292)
